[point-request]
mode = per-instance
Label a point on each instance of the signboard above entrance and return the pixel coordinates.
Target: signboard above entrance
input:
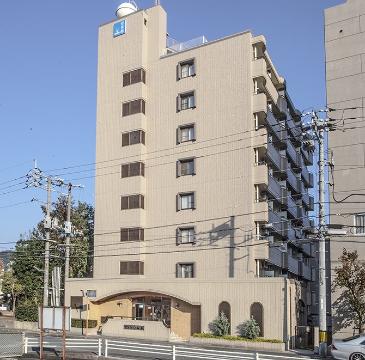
(119, 28)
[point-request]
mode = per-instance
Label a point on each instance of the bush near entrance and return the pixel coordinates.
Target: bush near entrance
(78, 323)
(235, 338)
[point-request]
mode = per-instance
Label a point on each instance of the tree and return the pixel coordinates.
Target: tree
(11, 285)
(220, 326)
(350, 279)
(28, 257)
(249, 329)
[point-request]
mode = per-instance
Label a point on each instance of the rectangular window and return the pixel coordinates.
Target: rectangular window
(185, 270)
(186, 201)
(186, 101)
(186, 133)
(133, 77)
(185, 69)
(134, 107)
(91, 293)
(76, 302)
(360, 224)
(185, 235)
(133, 137)
(131, 268)
(131, 234)
(185, 167)
(132, 169)
(132, 202)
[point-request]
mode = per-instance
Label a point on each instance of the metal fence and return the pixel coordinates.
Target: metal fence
(11, 344)
(122, 348)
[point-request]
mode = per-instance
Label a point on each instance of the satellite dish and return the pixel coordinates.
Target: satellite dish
(126, 8)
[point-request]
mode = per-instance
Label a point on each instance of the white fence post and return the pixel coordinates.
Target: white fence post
(257, 357)
(106, 348)
(99, 347)
(173, 352)
(25, 345)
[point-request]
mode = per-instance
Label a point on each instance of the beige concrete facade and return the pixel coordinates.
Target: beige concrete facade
(250, 183)
(345, 74)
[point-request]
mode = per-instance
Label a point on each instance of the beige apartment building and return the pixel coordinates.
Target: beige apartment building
(202, 187)
(345, 75)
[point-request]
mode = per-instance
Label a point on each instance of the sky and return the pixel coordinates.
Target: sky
(48, 64)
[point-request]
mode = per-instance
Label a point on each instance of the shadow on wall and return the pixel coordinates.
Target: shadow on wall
(342, 315)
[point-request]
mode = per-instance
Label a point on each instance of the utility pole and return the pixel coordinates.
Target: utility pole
(47, 226)
(68, 232)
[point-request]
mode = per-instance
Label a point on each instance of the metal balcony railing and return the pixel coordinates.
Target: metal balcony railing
(307, 223)
(307, 272)
(293, 181)
(292, 208)
(307, 157)
(294, 129)
(291, 234)
(275, 127)
(273, 155)
(278, 224)
(308, 201)
(305, 175)
(275, 255)
(277, 191)
(293, 265)
(293, 155)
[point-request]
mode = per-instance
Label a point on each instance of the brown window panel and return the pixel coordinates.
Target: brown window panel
(131, 268)
(133, 169)
(131, 234)
(132, 202)
(134, 77)
(133, 137)
(133, 107)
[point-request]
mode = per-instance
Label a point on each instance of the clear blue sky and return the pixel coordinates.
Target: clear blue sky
(48, 61)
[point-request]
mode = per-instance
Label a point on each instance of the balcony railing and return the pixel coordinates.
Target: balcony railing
(176, 46)
(294, 129)
(275, 127)
(291, 234)
(307, 157)
(275, 255)
(273, 155)
(278, 224)
(306, 272)
(307, 223)
(294, 155)
(305, 176)
(292, 207)
(293, 181)
(293, 265)
(276, 190)
(308, 201)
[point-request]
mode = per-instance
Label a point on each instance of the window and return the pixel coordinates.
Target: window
(132, 202)
(360, 224)
(131, 234)
(186, 69)
(185, 270)
(257, 313)
(186, 133)
(131, 268)
(186, 101)
(185, 167)
(76, 302)
(91, 293)
(185, 235)
(133, 77)
(225, 308)
(133, 169)
(186, 201)
(133, 137)
(134, 107)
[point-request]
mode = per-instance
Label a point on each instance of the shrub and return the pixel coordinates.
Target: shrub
(78, 323)
(26, 310)
(220, 326)
(249, 329)
(235, 338)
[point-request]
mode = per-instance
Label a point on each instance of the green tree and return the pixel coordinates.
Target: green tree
(350, 280)
(11, 286)
(28, 257)
(220, 326)
(249, 329)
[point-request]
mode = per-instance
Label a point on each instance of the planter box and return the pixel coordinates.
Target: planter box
(254, 345)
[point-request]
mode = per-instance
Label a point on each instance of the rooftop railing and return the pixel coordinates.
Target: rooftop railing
(176, 46)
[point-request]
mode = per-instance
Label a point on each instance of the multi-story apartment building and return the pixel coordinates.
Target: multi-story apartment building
(202, 187)
(345, 75)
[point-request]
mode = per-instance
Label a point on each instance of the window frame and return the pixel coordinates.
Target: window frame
(179, 200)
(179, 133)
(129, 264)
(127, 77)
(179, 236)
(142, 137)
(127, 107)
(357, 227)
(128, 231)
(191, 63)
(179, 166)
(186, 95)
(179, 270)
(141, 170)
(128, 198)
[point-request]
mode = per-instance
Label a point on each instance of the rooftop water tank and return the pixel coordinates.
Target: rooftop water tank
(126, 8)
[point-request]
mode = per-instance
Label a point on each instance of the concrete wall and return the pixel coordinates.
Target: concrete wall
(345, 73)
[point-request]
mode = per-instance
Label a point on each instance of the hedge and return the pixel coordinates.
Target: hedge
(26, 310)
(235, 338)
(77, 323)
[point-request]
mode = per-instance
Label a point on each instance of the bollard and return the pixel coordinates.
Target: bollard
(99, 347)
(173, 352)
(25, 345)
(257, 356)
(106, 348)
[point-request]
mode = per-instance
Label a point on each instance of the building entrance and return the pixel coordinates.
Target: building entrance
(152, 308)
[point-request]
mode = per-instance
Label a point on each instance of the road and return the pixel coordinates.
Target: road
(129, 349)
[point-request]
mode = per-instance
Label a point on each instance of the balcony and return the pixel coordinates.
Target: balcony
(277, 191)
(293, 264)
(295, 130)
(293, 155)
(278, 224)
(308, 201)
(275, 255)
(292, 207)
(293, 181)
(291, 233)
(308, 224)
(306, 176)
(307, 157)
(273, 156)
(276, 128)
(306, 272)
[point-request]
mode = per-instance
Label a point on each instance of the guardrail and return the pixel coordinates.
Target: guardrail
(121, 348)
(11, 344)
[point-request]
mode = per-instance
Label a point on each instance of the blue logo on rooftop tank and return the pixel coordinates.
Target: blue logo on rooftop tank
(119, 28)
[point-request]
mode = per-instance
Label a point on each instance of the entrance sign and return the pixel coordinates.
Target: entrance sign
(53, 318)
(134, 327)
(119, 28)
